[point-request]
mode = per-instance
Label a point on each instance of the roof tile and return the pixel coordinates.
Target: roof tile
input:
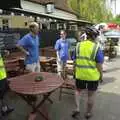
(60, 4)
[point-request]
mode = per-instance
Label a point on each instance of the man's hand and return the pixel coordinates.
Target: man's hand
(99, 67)
(101, 79)
(6, 53)
(23, 50)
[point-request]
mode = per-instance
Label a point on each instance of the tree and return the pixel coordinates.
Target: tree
(116, 20)
(92, 10)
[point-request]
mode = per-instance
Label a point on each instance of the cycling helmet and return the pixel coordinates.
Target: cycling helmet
(92, 32)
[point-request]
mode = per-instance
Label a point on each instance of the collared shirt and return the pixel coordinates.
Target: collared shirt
(62, 46)
(31, 44)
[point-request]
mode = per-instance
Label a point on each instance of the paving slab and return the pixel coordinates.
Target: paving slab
(107, 103)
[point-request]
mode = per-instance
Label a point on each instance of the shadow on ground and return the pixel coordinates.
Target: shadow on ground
(107, 107)
(107, 80)
(112, 70)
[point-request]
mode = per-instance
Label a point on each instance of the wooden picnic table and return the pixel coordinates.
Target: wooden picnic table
(48, 51)
(70, 62)
(12, 63)
(26, 86)
(14, 66)
(47, 63)
(45, 59)
(70, 67)
(16, 63)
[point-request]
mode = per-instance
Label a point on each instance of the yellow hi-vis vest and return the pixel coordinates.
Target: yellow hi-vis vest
(2, 69)
(85, 65)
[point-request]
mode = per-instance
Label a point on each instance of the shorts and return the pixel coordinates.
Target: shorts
(90, 85)
(60, 66)
(35, 67)
(3, 87)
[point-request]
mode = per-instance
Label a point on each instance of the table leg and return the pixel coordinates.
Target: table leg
(43, 67)
(36, 107)
(42, 101)
(49, 99)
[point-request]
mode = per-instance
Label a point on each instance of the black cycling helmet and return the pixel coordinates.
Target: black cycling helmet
(91, 32)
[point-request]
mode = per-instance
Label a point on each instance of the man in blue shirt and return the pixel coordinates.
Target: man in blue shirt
(62, 47)
(29, 45)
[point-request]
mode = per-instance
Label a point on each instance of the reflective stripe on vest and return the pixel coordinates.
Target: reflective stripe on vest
(85, 65)
(2, 69)
(94, 51)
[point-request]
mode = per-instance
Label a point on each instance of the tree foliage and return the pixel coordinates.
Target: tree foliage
(92, 10)
(116, 20)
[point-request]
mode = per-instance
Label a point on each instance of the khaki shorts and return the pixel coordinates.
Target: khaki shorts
(60, 66)
(35, 67)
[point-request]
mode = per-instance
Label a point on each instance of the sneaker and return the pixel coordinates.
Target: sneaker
(75, 114)
(88, 115)
(6, 110)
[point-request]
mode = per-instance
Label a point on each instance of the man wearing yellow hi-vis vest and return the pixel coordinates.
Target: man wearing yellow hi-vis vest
(88, 69)
(2, 69)
(3, 88)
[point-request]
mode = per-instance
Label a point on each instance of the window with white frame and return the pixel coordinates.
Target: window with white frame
(5, 23)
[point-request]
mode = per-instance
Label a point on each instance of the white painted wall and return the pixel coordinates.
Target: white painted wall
(114, 6)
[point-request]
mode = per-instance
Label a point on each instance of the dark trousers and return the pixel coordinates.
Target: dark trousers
(3, 88)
